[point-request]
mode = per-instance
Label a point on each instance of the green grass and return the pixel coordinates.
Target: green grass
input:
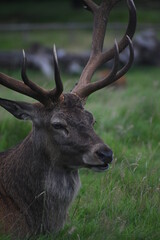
(70, 40)
(122, 203)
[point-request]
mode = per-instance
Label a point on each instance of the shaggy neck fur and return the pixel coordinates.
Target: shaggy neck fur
(38, 197)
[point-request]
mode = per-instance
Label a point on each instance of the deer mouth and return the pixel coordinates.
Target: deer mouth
(99, 168)
(101, 160)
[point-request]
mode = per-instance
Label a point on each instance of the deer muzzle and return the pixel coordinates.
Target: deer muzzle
(98, 158)
(105, 156)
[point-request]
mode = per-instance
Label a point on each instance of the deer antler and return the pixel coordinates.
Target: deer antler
(98, 57)
(30, 89)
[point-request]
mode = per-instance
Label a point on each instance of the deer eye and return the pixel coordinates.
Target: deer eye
(58, 126)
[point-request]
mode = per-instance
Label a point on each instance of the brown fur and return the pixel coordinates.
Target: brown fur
(39, 177)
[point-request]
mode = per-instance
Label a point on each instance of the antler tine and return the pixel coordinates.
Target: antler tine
(55, 93)
(113, 76)
(32, 90)
(98, 57)
(129, 32)
(92, 87)
(41, 93)
(45, 96)
(121, 72)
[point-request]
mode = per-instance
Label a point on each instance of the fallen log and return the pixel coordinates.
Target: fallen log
(146, 48)
(40, 57)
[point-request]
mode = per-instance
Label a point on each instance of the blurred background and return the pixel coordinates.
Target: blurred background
(36, 25)
(122, 203)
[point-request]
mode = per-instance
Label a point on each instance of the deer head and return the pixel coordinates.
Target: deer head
(62, 128)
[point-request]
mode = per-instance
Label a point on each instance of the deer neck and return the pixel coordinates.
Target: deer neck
(41, 190)
(61, 187)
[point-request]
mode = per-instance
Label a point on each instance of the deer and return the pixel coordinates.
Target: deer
(39, 177)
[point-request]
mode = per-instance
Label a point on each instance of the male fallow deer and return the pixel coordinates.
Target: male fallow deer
(39, 178)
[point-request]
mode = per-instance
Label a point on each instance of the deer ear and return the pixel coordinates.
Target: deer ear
(20, 110)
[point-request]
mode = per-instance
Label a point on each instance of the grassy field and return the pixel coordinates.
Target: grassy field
(122, 203)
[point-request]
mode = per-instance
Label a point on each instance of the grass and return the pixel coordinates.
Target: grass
(62, 38)
(122, 203)
(70, 40)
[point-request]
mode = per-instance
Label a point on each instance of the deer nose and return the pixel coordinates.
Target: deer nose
(105, 155)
